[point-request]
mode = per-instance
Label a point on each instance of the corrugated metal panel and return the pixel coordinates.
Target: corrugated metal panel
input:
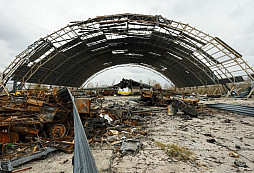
(83, 159)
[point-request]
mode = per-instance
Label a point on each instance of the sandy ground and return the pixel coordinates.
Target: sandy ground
(228, 130)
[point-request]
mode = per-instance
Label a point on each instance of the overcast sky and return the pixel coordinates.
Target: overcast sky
(24, 21)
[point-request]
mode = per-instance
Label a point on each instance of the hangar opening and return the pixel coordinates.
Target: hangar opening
(112, 75)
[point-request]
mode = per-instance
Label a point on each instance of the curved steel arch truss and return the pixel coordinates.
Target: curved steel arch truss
(182, 53)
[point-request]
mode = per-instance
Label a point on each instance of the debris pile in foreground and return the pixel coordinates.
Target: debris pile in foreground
(34, 124)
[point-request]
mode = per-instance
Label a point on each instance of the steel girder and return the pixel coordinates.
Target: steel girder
(185, 55)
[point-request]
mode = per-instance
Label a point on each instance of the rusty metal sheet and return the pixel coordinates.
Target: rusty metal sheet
(48, 112)
(35, 102)
(83, 105)
(25, 130)
(33, 108)
(6, 137)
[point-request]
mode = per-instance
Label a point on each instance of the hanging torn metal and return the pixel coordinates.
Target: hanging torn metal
(83, 159)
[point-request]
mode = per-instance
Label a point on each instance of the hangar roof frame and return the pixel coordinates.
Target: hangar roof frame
(185, 55)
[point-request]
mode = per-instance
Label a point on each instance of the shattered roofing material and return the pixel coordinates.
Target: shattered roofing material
(186, 56)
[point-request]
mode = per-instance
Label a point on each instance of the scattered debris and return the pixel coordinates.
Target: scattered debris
(211, 140)
(188, 106)
(130, 145)
(29, 123)
(233, 154)
(5, 167)
(38, 122)
(238, 163)
(237, 146)
(18, 162)
(23, 169)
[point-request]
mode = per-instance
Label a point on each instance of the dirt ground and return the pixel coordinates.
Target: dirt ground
(211, 137)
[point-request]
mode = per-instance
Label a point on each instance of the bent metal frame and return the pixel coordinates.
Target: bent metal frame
(187, 56)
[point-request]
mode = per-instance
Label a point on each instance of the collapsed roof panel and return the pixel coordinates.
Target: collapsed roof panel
(39, 50)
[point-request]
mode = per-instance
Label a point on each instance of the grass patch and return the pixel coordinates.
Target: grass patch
(175, 151)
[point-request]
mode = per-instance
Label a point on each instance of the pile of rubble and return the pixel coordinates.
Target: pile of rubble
(35, 123)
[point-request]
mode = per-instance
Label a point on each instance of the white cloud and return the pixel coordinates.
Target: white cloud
(6, 55)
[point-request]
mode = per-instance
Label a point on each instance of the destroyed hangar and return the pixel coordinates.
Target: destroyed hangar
(185, 55)
(74, 54)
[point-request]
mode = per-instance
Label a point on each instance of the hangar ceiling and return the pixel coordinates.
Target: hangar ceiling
(185, 55)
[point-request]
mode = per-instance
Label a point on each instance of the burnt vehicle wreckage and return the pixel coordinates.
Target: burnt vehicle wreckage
(33, 120)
